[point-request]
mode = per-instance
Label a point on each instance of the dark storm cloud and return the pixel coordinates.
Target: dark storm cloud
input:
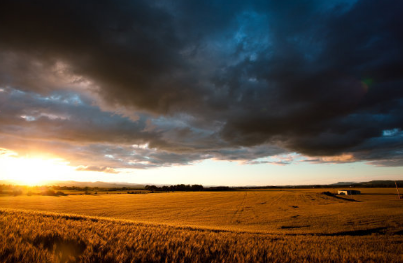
(332, 81)
(66, 125)
(127, 47)
(248, 153)
(67, 117)
(207, 79)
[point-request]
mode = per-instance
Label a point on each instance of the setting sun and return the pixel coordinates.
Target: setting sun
(33, 170)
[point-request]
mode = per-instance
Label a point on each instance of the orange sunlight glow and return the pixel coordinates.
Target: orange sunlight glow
(339, 158)
(33, 170)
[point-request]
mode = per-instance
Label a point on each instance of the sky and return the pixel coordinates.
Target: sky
(210, 92)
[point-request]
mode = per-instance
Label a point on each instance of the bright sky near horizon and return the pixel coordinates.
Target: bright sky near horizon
(209, 172)
(210, 92)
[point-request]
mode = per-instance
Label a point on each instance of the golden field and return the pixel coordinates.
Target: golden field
(285, 225)
(270, 211)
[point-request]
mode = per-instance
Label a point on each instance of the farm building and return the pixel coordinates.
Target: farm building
(349, 192)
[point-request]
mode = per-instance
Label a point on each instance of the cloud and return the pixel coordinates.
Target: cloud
(66, 125)
(206, 79)
(6, 153)
(64, 116)
(103, 169)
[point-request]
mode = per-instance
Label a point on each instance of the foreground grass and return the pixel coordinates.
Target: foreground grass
(50, 237)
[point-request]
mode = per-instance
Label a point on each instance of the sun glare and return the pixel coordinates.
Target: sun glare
(34, 171)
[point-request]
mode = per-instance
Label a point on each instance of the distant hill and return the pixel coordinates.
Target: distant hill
(343, 183)
(98, 184)
(369, 184)
(373, 183)
(82, 184)
(380, 183)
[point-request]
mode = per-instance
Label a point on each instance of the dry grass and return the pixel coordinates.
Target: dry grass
(47, 237)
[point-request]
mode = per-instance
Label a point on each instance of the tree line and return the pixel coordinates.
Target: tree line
(185, 188)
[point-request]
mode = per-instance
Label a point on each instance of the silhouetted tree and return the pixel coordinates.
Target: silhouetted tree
(151, 188)
(197, 187)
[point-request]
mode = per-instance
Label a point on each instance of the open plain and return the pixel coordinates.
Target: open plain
(248, 225)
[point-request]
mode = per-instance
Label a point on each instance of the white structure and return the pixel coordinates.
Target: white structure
(349, 192)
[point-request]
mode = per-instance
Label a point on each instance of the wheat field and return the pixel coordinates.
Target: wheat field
(285, 211)
(241, 226)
